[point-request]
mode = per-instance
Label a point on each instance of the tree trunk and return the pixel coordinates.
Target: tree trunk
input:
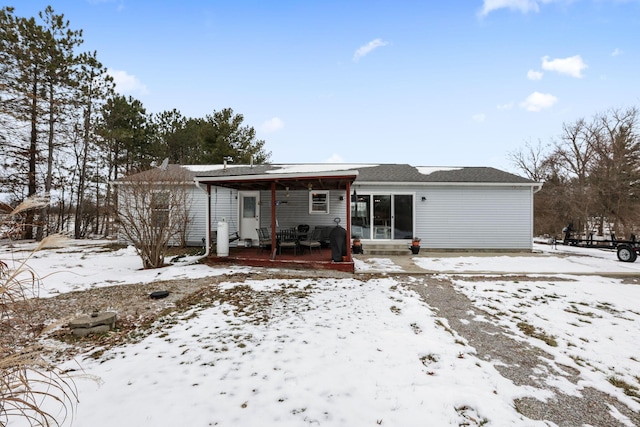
(33, 158)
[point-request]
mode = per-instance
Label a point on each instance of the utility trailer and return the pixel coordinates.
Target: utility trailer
(627, 250)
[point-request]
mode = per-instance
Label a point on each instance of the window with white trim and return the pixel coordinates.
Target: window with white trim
(160, 204)
(319, 202)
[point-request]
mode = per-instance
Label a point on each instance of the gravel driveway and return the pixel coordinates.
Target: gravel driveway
(521, 363)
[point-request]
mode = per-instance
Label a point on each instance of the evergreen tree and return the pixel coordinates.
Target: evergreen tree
(57, 138)
(225, 138)
(59, 90)
(25, 44)
(178, 137)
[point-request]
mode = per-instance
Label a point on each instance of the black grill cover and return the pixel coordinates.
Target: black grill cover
(338, 243)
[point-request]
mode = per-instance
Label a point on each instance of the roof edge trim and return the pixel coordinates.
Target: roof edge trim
(277, 176)
(444, 183)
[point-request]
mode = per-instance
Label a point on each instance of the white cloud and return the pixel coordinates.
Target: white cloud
(534, 75)
(617, 52)
(368, 48)
(523, 6)
(272, 125)
(335, 158)
(479, 118)
(538, 101)
(127, 83)
(571, 66)
(507, 106)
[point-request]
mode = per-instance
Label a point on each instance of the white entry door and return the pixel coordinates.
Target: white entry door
(249, 214)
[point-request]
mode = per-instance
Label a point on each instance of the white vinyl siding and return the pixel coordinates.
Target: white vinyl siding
(226, 207)
(458, 217)
(196, 229)
(294, 210)
(475, 217)
(451, 216)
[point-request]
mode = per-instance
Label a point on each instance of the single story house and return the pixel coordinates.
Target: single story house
(448, 208)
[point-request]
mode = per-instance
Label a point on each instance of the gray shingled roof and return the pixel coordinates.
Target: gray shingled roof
(407, 173)
(396, 173)
(385, 173)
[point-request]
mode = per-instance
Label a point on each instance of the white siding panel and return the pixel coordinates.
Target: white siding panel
(295, 210)
(451, 217)
(223, 205)
(475, 217)
(468, 216)
(196, 229)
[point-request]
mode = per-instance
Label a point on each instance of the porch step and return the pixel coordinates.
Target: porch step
(386, 248)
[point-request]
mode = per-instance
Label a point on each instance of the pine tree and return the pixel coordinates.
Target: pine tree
(225, 138)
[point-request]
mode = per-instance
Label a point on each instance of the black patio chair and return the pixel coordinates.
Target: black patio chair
(312, 241)
(287, 239)
(264, 239)
(303, 231)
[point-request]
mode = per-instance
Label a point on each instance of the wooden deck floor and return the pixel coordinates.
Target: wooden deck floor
(252, 257)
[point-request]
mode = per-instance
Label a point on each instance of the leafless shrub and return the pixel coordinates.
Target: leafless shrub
(31, 388)
(153, 210)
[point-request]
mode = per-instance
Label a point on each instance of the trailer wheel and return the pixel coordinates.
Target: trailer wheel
(626, 253)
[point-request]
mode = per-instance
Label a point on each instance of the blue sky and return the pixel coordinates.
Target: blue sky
(434, 83)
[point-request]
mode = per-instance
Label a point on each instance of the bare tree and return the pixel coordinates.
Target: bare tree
(153, 210)
(591, 175)
(614, 177)
(540, 164)
(531, 161)
(96, 87)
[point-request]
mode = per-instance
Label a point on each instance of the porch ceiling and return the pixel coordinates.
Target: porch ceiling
(262, 183)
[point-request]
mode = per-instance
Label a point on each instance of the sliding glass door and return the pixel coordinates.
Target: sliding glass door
(361, 217)
(382, 216)
(402, 216)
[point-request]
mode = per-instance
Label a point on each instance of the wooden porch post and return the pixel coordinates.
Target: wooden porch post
(348, 219)
(273, 221)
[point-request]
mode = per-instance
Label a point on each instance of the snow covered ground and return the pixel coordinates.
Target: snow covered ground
(349, 351)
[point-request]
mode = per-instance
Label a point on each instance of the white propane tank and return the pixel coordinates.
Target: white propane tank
(222, 241)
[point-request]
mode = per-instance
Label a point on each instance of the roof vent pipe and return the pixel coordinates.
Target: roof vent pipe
(251, 162)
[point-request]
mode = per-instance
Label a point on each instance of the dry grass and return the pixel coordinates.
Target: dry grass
(27, 379)
(533, 332)
(629, 389)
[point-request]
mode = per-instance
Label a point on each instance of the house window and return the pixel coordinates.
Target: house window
(160, 209)
(319, 202)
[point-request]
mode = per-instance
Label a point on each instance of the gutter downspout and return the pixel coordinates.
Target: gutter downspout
(207, 231)
(537, 187)
(534, 190)
(208, 219)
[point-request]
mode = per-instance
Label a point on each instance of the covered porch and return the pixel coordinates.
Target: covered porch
(273, 187)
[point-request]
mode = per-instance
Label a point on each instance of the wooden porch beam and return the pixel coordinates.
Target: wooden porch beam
(273, 221)
(348, 219)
